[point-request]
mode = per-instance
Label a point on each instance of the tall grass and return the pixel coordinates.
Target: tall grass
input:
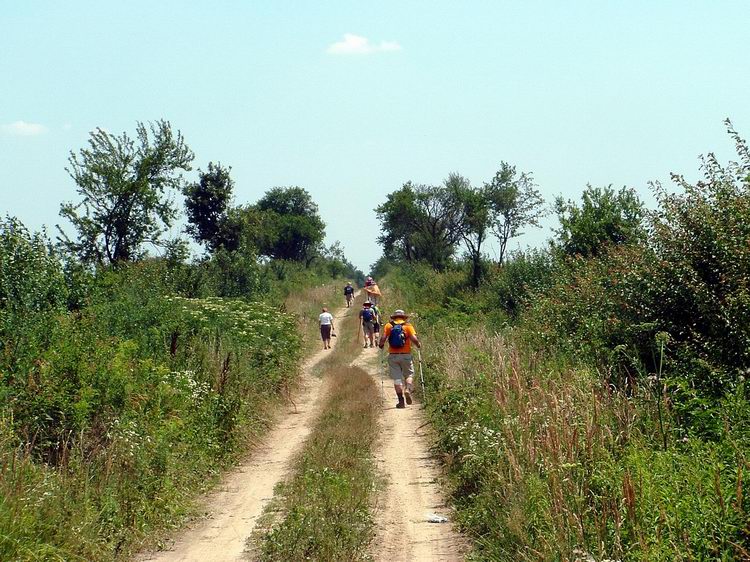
(115, 417)
(549, 462)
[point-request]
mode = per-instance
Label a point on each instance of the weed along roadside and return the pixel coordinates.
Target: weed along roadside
(547, 457)
(232, 509)
(322, 511)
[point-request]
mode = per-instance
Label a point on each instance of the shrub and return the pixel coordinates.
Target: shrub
(31, 276)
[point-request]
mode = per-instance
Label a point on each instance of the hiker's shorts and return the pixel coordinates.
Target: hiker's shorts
(368, 327)
(325, 331)
(401, 367)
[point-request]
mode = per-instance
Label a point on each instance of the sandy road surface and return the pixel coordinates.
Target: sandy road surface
(413, 493)
(235, 506)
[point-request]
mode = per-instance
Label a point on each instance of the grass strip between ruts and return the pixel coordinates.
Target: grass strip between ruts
(323, 511)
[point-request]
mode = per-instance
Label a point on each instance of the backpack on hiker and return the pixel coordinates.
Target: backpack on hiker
(367, 315)
(397, 337)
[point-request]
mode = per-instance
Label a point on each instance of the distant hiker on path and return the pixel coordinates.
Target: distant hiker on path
(367, 318)
(349, 294)
(326, 327)
(372, 290)
(400, 334)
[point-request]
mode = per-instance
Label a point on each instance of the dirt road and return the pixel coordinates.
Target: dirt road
(412, 495)
(235, 506)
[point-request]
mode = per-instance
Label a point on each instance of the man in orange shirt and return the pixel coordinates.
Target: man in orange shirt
(400, 334)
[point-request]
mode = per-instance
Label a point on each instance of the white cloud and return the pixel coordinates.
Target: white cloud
(358, 45)
(24, 129)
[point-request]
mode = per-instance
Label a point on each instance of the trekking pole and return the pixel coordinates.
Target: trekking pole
(383, 367)
(421, 376)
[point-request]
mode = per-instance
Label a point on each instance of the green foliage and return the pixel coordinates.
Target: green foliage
(293, 227)
(339, 267)
(515, 203)
(701, 287)
(605, 217)
(475, 218)
(206, 205)
(31, 276)
(546, 463)
(420, 223)
(512, 287)
(427, 223)
(125, 408)
(124, 186)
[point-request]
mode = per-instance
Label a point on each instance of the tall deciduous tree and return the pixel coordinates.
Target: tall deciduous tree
(514, 203)
(476, 218)
(293, 229)
(124, 186)
(207, 203)
(420, 223)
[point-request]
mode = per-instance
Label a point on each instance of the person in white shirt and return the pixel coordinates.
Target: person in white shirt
(326, 327)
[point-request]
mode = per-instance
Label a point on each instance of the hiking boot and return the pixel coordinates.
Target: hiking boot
(400, 401)
(407, 396)
(400, 405)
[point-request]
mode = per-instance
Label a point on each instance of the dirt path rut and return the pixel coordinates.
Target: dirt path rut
(234, 507)
(412, 493)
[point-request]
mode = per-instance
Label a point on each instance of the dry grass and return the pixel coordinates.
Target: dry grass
(550, 463)
(306, 305)
(323, 512)
(532, 440)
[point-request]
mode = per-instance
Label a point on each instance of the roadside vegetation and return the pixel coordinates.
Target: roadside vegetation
(129, 379)
(324, 511)
(590, 398)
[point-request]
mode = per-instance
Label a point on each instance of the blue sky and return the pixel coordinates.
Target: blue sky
(575, 92)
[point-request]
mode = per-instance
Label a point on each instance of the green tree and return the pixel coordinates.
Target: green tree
(124, 186)
(514, 204)
(207, 203)
(605, 217)
(420, 223)
(292, 227)
(398, 219)
(476, 219)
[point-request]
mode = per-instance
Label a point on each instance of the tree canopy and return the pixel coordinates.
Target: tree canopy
(604, 217)
(207, 203)
(124, 185)
(420, 223)
(292, 228)
(514, 203)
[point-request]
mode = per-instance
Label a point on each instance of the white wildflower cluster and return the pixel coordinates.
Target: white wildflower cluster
(250, 322)
(539, 418)
(472, 438)
(185, 382)
(126, 437)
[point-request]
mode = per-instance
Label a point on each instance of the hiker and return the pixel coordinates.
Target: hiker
(367, 317)
(349, 294)
(400, 335)
(326, 327)
(372, 290)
